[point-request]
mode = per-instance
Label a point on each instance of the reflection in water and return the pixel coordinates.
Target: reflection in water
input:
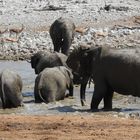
(123, 104)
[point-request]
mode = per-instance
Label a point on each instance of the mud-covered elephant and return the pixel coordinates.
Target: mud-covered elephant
(111, 69)
(62, 33)
(41, 60)
(51, 84)
(10, 89)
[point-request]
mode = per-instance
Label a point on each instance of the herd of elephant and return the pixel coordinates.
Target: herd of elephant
(112, 70)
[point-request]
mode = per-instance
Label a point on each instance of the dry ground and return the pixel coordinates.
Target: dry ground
(68, 127)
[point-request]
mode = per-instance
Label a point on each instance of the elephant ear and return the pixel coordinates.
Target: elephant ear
(88, 58)
(61, 58)
(35, 58)
(69, 77)
(85, 50)
(33, 61)
(93, 52)
(67, 72)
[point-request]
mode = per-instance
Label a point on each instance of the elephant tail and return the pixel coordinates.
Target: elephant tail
(40, 95)
(3, 98)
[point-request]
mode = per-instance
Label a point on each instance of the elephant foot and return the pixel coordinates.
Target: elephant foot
(106, 109)
(95, 110)
(83, 102)
(67, 95)
(71, 97)
(37, 101)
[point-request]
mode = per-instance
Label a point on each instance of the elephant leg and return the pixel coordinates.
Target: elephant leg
(3, 100)
(71, 90)
(57, 42)
(37, 91)
(100, 90)
(83, 89)
(15, 96)
(36, 95)
(44, 96)
(10, 100)
(8, 103)
(37, 98)
(66, 46)
(108, 100)
(51, 97)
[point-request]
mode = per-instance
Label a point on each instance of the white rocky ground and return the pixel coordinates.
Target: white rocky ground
(118, 26)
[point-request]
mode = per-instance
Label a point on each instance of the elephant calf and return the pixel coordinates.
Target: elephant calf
(111, 69)
(62, 34)
(10, 89)
(51, 84)
(41, 60)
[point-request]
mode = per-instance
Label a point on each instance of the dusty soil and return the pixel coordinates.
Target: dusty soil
(68, 127)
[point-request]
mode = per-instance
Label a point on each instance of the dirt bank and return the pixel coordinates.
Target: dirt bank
(68, 127)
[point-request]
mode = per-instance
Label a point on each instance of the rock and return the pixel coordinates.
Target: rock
(3, 29)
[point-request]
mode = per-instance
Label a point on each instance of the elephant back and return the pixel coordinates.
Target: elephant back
(10, 89)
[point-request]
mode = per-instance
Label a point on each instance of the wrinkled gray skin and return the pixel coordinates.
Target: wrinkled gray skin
(10, 89)
(41, 60)
(62, 34)
(51, 84)
(111, 69)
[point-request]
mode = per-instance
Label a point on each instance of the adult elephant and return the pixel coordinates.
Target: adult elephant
(111, 69)
(62, 34)
(51, 84)
(41, 60)
(10, 89)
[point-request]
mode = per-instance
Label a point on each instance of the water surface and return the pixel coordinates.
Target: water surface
(123, 105)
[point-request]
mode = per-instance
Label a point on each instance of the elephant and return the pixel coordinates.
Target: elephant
(52, 83)
(41, 60)
(112, 70)
(10, 89)
(62, 33)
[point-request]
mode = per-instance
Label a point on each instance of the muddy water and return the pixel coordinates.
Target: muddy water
(123, 105)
